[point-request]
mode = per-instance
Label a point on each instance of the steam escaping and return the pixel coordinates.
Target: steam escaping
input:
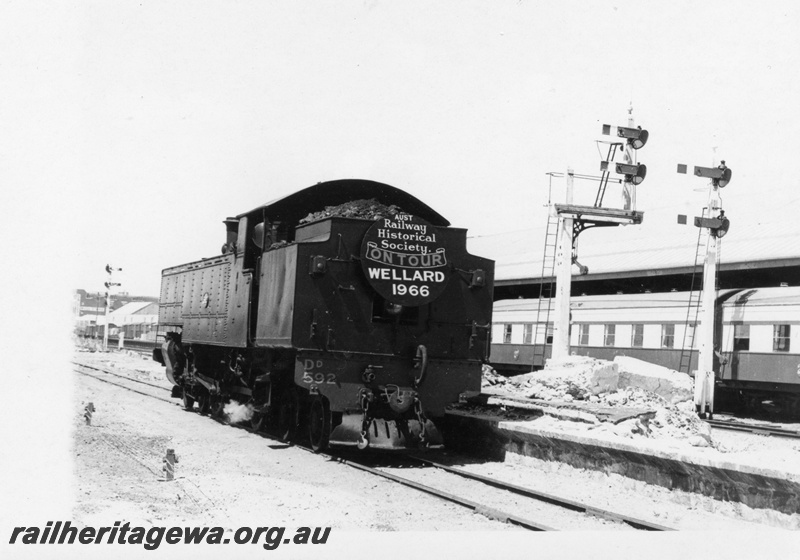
(238, 412)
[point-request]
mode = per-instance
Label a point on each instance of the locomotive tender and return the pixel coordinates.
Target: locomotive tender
(757, 338)
(347, 329)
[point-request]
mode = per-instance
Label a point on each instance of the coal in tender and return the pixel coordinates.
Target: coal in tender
(364, 209)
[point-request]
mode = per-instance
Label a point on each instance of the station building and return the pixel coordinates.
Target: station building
(134, 316)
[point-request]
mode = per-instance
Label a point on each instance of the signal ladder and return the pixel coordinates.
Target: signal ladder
(695, 296)
(546, 288)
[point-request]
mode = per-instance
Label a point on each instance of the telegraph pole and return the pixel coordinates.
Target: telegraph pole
(563, 279)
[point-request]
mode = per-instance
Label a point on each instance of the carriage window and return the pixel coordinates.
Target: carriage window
(527, 333)
(741, 337)
(507, 334)
(780, 338)
(637, 335)
(610, 335)
(583, 334)
(668, 336)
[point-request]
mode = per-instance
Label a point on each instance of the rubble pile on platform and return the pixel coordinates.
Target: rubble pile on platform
(573, 378)
(673, 385)
(667, 420)
(493, 379)
(364, 209)
(665, 395)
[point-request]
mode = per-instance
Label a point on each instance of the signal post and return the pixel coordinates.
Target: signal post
(717, 228)
(573, 219)
(563, 277)
(109, 284)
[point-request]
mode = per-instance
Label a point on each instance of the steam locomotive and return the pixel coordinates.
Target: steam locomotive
(347, 312)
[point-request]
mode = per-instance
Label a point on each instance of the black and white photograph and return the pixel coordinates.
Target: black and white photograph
(354, 279)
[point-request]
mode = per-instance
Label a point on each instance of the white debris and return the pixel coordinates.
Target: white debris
(573, 378)
(625, 382)
(672, 385)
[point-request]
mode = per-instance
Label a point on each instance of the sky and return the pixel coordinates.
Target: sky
(135, 128)
(130, 130)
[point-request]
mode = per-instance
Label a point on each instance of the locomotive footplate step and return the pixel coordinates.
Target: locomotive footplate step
(383, 434)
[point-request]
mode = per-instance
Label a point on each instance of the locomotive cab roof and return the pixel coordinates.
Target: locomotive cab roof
(292, 208)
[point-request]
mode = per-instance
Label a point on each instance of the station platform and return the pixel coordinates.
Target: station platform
(566, 432)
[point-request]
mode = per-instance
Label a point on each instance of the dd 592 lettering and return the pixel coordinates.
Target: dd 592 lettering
(317, 377)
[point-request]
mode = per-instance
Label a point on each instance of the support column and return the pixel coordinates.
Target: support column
(563, 280)
(704, 375)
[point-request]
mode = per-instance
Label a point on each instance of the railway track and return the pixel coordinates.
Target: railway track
(580, 507)
(144, 347)
(514, 500)
(760, 429)
(95, 371)
(513, 504)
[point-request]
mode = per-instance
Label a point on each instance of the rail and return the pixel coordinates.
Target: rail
(634, 522)
(760, 429)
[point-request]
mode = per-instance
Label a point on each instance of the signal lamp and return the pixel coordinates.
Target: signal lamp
(636, 137)
(634, 173)
(718, 226)
(720, 176)
(726, 176)
(723, 228)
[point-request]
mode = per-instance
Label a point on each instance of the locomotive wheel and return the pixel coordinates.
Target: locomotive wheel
(218, 408)
(288, 416)
(257, 421)
(203, 403)
(319, 424)
(188, 400)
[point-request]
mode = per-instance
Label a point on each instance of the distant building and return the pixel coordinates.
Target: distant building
(136, 316)
(94, 303)
(137, 320)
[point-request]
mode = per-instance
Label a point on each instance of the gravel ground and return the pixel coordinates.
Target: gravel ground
(225, 476)
(228, 473)
(59, 469)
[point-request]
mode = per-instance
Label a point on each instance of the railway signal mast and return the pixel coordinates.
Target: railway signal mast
(109, 284)
(634, 173)
(573, 219)
(717, 224)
